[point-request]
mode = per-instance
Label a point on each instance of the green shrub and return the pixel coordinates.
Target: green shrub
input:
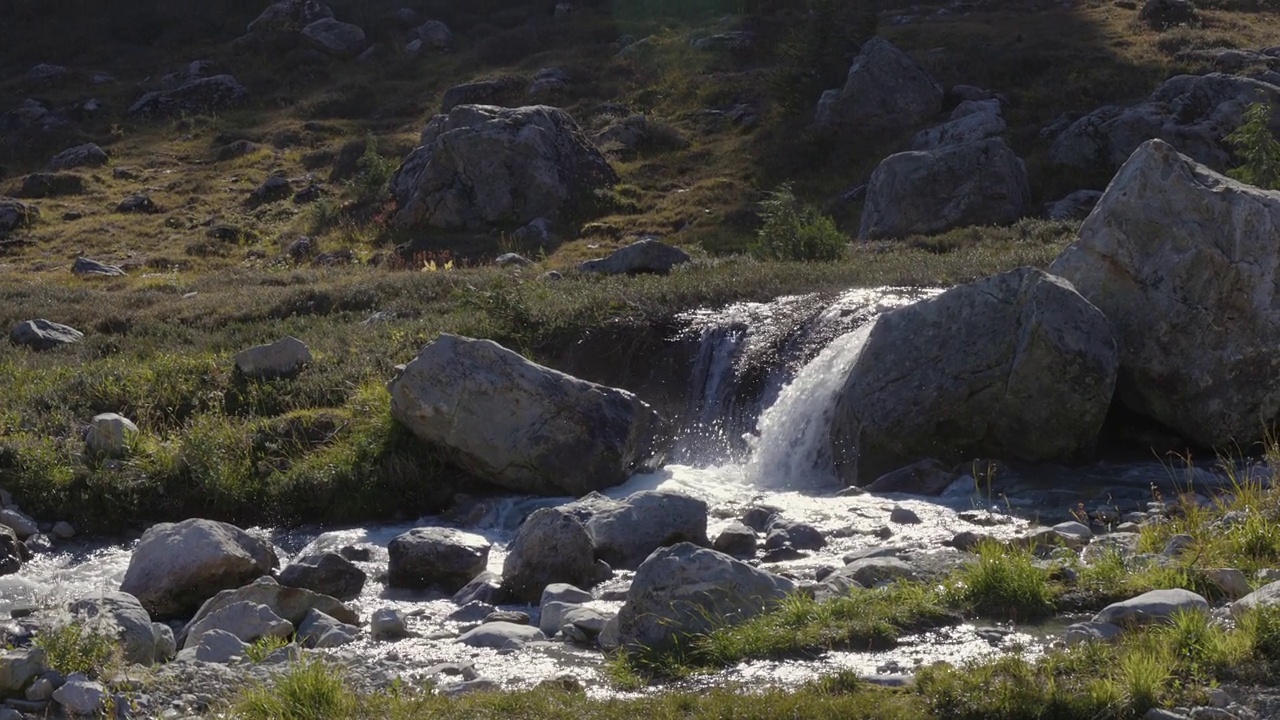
(1003, 581)
(795, 231)
(375, 172)
(74, 647)
(310, 690)
(1257, 148)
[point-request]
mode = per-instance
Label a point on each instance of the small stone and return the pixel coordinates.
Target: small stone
(1091, 632)
(279, 359)
(110, 435)
(63, 530)
(737, 540)
(501, 636)
(138, 204)
(388, 624)
(904, 516)
(81, 696)
(39, 690)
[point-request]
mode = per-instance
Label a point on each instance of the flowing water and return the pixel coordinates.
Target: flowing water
(756, 434)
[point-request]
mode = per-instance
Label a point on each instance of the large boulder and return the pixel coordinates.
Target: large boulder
(480, 165)
(885, 90)
(624, 532)
(289, 603)
(44, 335)
(926, 192)
(1191, 112)
(1182, 260)
(178, 566)
(685, 590)
(436, 557)
(123, 616)
(203, 95)
(522, 426)
(15, 214)
(1015, 366)
(336, 38)
(552, 546)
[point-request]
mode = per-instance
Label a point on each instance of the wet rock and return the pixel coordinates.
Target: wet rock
(166, 646)
(737, 541)
(12, 552)
(800, 536)
(521, 426)
(873, 571)
(15, 214)
(86, 155)
(1037, 387)
(904, 516)
(472, 612)
(884, 90)
(336, 38)
(927, 477)
(685, 590)
(86, 266)
(40, 690)
(501, 636)
(552, 546)
(248, 621)
(433, 557)
(122, 616)
(1078, 633)
(565, 593)
(1152, 607)
(110, 435)
(645, 256)
(624, 532)
(326, 573)
(389, 624)
(514, 617)
(138, 204)
(177, 566)
(46, 185)
(582, 625)
(758, 518)
(22, 525)
(928, 192)
(1195, 347)
(19, 667)
(281, 358)
(356, 553)
(292, 604)
(199, 96)
(1075, 206)
(485, 587)
(81, 696)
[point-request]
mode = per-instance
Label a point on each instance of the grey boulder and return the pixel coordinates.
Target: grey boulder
(321, 631)
(435, 557)
(522, 426)
(884, 90)
(290, 604)
(326, 573)
(1017, 365)
(645, 256)
(337, 38)
(1151, 607)
(15, 214)
(281, 358)
(110, 435)
(247, 620)
(203, 95)
(501, 636)
(44, 335)
(86, 155)
(551, 546)
(120, 615)
(624, 532)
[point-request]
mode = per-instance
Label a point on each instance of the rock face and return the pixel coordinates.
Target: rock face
(1193, 305)
(336, 38)
(109, 435)
(281, 358)
(1191, 112)
(202, 95)
(645, 256)
(177, 566)
(624, 532)
(975, 183)
(685, 590)
(1017, 365)
(480, 166)
(121, 614)
(522, 426)
(552, 546)
(326, 573)
(44, 335)
(15, 214)
(86, 155)
(435, 557)
(885, 90)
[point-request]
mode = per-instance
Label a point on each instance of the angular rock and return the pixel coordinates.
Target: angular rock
(176, 567)
(550, 615)
(219, 646)
(485, 587)
(552, 546)
(320, 631)
(326, 573)
(1014, 366)
(566, 593)
(19, 667)
(434, 34)
(927, 477)
(292, 604)
(1265, 596)
(1230, 581)
(521, 426)
(248, 621)
(110, 435)
(336, 38)
(971, 127)
(1152, 607)
(388, 624)
(121, 615)
(685, 590)
(482, 165)
(1075, 206)
(15, 214)
(281, 358)
(474, 611)
(624, 532)
(202, 95)
(86, 155)
(582, 625)
(22, 525)
(1189, 302)
(290, 16)
(885, 90)
(80, 696)
(434, 557)
(501, 636)
(166, 646)
(645, 256)
(873, 571)
(737, 541)
(87, 266)
(927, 192)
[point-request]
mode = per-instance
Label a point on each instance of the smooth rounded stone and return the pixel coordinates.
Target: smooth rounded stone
(583, 625)
(872, 571)
(884, 90)
(326, 573)
(39, 690)
(281, 358)
(86, 155)
(521, 426)
(1232, 582)
(904, 516)
(436, 557)
(320, 631)
(472, 612)
(123, 616)
(1075, 534)
(166, 646)
(512, 260)
(1265, 596)
(110, 435)
(1125, 544)
(501, 636)
(646, 256)
(737, 540)
(388, 624)
(176, 567)
(686, 590)
(927, 477)
(42, 334)
(248, 621)
(758, 518)
(551, 546)
(514, 617)
(63, 530)
(551, 614)
(624, 533)
(81, 696)
(1152, 607)
(1178, 545)
(801, 536)
(1091, 632)
(218, 646)
(19, 667)
(84, 266)
(21, 525)
(292, 604)
(472, 169)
